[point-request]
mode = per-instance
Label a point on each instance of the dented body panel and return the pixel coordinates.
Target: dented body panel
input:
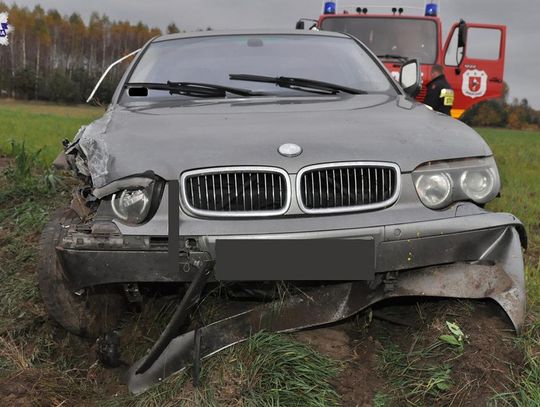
(177, 131)
(398, 247)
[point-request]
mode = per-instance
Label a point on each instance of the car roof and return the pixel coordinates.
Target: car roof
(213, 33)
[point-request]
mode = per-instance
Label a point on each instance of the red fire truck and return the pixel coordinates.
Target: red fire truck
(472, 55)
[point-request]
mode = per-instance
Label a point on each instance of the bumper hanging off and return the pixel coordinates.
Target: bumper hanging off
(498, 274)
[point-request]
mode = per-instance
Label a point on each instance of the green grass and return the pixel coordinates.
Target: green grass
(518, 158)
(417, 376)
(42, 126)
(526, 389)
(267, 370)
(32, 353)
(520, 167)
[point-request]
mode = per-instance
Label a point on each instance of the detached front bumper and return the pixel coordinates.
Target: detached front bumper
(481, 255)
(482, 263)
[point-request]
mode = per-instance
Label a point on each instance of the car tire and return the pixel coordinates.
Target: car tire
(90, 313)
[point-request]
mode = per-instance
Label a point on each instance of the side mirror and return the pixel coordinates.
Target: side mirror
(461, 44)
(462, 34)
(410, 77)
(300, 25)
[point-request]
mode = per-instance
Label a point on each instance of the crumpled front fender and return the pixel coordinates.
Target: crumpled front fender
(499, 274)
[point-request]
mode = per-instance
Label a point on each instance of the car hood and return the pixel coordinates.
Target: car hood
(170, 137)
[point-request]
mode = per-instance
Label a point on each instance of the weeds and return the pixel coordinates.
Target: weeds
(46, 366)
(279, 371)
(417, 375)
(457, 337)
(36, 361)
(266, 370)
(25, 161)
(526, 386)
(25, 204)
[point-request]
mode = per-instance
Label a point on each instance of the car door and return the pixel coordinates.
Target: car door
(474, 63)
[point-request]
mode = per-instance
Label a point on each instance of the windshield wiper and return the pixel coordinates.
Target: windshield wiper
(307, 85)
(193, 89)
(393, 56)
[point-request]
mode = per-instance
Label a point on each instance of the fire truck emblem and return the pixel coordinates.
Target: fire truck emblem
(5, 28)
(474, 83)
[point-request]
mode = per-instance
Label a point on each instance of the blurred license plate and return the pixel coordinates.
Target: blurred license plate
(301, 260)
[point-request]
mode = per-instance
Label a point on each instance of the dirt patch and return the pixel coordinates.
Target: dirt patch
(330, 341)
(35, 387)
(14, 393)
(358, 380)
(5, 162)
(490, 353)
(483, 368)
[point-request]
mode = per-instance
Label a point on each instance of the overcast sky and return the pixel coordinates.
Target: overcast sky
(521, 16)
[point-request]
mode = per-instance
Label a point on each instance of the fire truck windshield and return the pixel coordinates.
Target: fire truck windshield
(390, 36)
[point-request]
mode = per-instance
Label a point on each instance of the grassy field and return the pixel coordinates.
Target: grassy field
(42, 125)
(372, 360)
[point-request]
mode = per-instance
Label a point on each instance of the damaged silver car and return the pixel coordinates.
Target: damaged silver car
(245, 158)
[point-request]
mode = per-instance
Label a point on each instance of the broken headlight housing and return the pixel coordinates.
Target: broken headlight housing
(440, 183)
(135, 205)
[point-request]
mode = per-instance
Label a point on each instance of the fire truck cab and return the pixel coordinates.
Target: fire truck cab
(472, 55)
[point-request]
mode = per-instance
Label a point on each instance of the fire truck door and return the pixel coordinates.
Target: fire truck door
(474, 63)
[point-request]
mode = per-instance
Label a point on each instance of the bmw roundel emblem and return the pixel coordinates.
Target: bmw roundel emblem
(290, 150)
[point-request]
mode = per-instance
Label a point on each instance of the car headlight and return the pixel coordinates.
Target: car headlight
(135, 205)
(434, 190)
(131, 206)
(438, 184)
(478, 184)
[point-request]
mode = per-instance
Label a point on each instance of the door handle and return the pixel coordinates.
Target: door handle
(496, 80)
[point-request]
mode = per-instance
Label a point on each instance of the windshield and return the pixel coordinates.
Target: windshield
(406, 37)
(212, 59)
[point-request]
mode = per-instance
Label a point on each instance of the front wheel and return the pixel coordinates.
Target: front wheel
(90, 312)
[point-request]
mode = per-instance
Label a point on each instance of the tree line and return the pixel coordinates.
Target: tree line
(500, 113)
(59, 58)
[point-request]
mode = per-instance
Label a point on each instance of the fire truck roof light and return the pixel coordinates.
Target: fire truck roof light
(330, 7)
(431, 10)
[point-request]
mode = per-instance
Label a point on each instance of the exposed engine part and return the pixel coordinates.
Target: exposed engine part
(389, 281)
(133, 294)
(108, 349)
(80, 205)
